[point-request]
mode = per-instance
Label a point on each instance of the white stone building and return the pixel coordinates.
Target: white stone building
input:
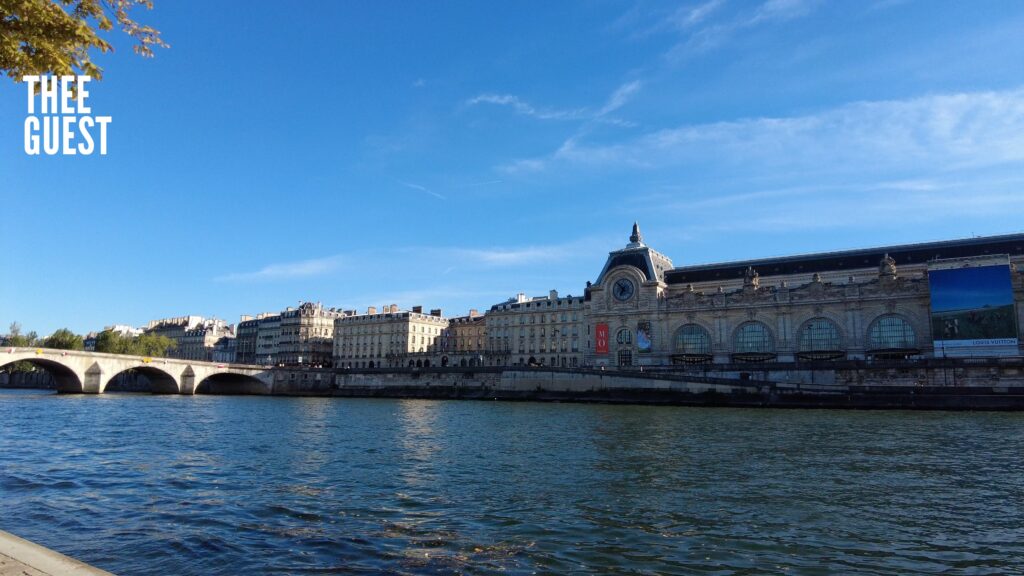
(545, 330)
(391, 338)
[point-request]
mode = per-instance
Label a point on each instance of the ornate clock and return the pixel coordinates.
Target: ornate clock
(623, 289)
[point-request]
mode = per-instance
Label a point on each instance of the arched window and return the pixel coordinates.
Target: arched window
(692, 343)
(692, 339)
(819, 340)
(892, 335)
(753, 343)
(624, 336)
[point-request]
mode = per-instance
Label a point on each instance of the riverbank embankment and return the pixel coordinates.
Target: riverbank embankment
(23, 558)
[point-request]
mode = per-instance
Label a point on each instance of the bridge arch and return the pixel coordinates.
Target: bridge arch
(160, 381)
(66, 378)
(231, 383)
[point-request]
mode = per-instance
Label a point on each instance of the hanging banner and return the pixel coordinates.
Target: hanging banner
(643, 337)
(601, 339)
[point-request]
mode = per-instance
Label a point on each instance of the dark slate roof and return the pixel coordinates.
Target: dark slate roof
(513, 305)
(637, 259)
(1012, 244)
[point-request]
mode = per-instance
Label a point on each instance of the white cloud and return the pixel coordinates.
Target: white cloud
(698, 37)
(287, 270)
(687, 16)
(948, 131)
(619, 98)
(524, 108)
(516, 256)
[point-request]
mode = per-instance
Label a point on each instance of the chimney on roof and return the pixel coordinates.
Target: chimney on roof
(371, 310)
(436, 312)
(553, 295)
(394, 308)
(520, 298)
(417, 309)
(473, 313)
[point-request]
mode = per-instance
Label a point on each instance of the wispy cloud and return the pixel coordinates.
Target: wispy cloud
(618, 99)
(423, 189)
(522, 107)
(950, 131)
(287, 270)
(705, 26)
(687, 16)
(517, 256)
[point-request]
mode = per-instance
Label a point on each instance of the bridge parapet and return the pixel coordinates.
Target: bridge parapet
(91, 372)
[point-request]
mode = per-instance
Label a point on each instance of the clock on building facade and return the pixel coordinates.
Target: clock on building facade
(623, 289)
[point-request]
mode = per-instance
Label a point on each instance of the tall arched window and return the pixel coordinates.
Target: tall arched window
(819, 339)
(753, 343)
(892, 336)
(624, 336)
(692, 343)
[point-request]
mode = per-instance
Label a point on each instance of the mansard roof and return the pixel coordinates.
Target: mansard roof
(904, 254)
(651, 263)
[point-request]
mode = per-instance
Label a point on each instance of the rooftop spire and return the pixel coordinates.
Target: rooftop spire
(635, 237)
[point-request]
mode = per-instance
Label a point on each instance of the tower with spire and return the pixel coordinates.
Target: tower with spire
(635, 239)
(651, 263)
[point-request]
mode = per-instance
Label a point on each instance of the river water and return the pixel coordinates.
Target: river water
(140, 484)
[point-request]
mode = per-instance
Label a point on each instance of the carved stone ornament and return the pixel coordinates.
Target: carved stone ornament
(887, 267)
(751, 279)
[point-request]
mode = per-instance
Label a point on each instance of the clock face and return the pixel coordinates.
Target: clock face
(623, 289)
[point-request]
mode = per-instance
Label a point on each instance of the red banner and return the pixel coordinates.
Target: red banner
(602, 339)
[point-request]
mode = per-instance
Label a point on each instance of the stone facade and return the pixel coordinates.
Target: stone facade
(466, 340)
(307, 335)
(268, 338)
(392, 338)
(225, 350)
(858, 304)
(245, 343)
(198, 343)
(195, 335)
(248, 345)
(174, 328)
(545, 330)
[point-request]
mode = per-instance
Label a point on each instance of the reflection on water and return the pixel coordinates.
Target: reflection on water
(141, 484)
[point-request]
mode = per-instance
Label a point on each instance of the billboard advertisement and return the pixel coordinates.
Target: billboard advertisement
(643, 337)
(972, 307)
(601, 339)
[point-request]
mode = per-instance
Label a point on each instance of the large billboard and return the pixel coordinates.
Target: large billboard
(972, 306)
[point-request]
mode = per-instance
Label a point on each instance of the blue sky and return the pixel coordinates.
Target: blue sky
(453, 154)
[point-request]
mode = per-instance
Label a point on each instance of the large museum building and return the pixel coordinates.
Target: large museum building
(956, 298)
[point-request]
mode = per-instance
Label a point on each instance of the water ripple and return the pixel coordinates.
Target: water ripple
(141, 484)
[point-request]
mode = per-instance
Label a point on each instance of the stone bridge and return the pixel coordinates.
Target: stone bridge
(91, 372)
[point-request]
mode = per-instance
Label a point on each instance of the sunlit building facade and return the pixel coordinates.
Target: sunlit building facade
(544, 330)
(391, 338)
(857, 304)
